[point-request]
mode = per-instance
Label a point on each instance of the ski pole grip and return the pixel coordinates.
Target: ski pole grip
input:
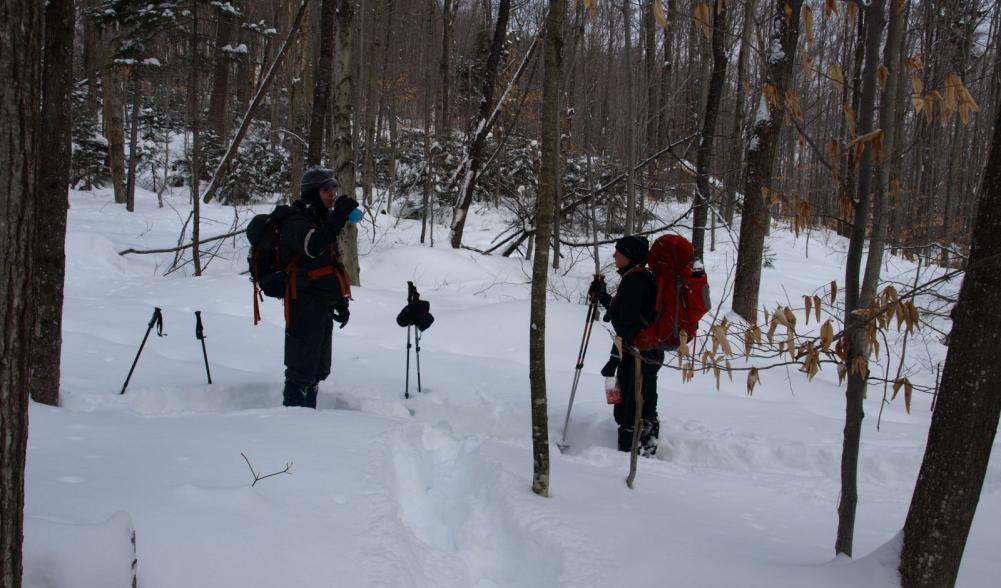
(199, 330)
(157, 321)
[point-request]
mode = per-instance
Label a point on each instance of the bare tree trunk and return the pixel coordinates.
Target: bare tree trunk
(760, 157)
(739, 113)
(705, 152)
(544, 228)
(855, 393)
(472, 162)
(965, 421)
(130, 187)
(666, 105)
(195, 147)
(445, 66)
(218, 115)
(20, 59)
(630, 124)
(321, 89)
(52, 181)
(114, 129)
(344, 153)
(428, 115)
(372, 82)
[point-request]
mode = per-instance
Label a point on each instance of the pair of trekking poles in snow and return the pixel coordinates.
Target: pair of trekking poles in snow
(416, 315)
(157, 321)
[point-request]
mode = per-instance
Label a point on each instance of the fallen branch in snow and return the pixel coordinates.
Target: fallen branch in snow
(258, 477)
(182, 247)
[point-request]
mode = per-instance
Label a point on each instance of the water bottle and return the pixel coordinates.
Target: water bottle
(613, 394)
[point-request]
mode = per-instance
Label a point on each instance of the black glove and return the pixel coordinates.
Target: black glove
(344, 205)
(609, 369)
(597, 290)
(341, 313)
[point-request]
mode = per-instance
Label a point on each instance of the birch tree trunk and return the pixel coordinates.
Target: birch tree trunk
(344, 153)
(544, 228)
(20, 65)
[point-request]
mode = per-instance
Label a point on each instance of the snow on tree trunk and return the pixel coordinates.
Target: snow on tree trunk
(761, 156)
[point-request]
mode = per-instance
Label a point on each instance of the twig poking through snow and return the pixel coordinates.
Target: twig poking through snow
(258, 477)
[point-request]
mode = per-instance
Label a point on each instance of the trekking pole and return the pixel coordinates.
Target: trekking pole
(592, 314)
(157, 320)
(200, 335)
(417, 341)
(406, 389)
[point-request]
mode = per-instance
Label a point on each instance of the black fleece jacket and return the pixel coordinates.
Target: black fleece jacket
(312, 232)
(633, 306)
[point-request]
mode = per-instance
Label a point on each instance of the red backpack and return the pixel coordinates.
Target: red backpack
(682, 293)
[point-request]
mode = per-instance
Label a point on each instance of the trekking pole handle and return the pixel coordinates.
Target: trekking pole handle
(199, 329)
(157, 321)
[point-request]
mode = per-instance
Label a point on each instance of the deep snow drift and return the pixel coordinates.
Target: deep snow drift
(435, 490)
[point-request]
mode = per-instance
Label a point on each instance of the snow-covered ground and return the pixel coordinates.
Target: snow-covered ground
(435, 490)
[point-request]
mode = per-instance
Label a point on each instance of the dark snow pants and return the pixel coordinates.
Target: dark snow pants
(625, 411)
(307, 350)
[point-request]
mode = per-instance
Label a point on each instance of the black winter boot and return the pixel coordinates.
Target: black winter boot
(649, 435)
(311, 392)
(625, 439)
(294, 394)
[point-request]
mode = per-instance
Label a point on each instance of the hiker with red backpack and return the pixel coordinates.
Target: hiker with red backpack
(317, 289)
(660, 299)
(631, 309)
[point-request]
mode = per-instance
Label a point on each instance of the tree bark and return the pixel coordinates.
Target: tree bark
(344, 153)
(130, 186)
(472, 162)
(739, 113)
(21, 29)
(114, 128)
(218, 115)
(704, 154)
(321, 88)
(760, 158)
(544, 228)
(52, 180)
(630, 138)
(965, 421)
(445, 65)
(196, 175)
(857, 350)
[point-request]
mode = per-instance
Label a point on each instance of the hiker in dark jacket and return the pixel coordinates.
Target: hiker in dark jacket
(630, 310)
(317, 288)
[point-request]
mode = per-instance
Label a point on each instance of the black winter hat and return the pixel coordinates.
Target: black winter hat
(316, 178)
(634, 247)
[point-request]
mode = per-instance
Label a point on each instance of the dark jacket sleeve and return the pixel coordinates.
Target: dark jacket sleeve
(636, 293)
(301, 236)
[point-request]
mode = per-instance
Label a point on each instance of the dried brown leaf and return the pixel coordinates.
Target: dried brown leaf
(752, 380)
(816, 306)
(658, 13)
(837, 76)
